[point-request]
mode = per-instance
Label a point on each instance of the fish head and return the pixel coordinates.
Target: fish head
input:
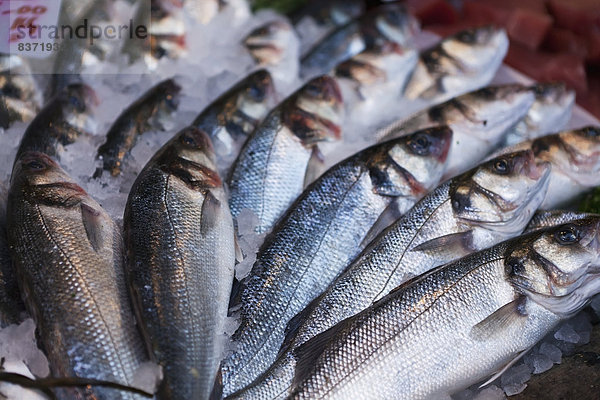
(501, 194)
(169, 91)
(475, 48)
(259, 95)
(415, 161)
(554, 93)
(395, 23)
(559, 267)
(342, 12)
(267, 43)
(79, 102)
(42, 181)
(190, 157)
(315, 112)
(574, 153)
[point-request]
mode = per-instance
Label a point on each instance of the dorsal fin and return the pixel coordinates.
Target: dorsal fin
(308, 353)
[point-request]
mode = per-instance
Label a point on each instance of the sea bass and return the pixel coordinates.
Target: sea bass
(235, 114)
(320, 234)
(575, 158)
(270, 170)
(69, 259)
(388, 22)
(484, 206)
(180, 243)
(269, 43)
(458, 64)
(146, 112)
(63, 119)
(458, 324)
(479, 119)
(550, 112)
(20, 97)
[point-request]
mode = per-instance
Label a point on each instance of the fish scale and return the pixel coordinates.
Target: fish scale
(181, 256)
(392, 259)
(75, 291)
(321, 232)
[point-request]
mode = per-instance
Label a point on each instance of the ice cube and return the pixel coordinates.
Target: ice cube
(567, 334)
(551, 351)
(491, 393)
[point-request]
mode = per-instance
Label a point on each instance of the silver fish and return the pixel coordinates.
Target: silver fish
(575, 159)
(63, 119)
(270, 170)
(69, 259)
(387, 65)
(479, 119)
(268, 43)
(20, 97)
(235, 114)
(491, 203)
(388, 22)
(180, 242)
(545, 219)
(458, 64)
(550, 112)
(320, 234)
(458, 324)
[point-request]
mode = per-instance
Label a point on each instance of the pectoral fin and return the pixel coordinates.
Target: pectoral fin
(502, 319)
(448, 247)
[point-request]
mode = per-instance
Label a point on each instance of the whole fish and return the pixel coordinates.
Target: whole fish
(550, 112)
(387, 65)
(458, 324)
(270, 170)
(479, 119)
(389, 22)
(473, 211)
(575, 158)
(458, 64)
(320, 234)
(69, 259)
(268, 43)
(180, 242)
(66, 117)
(236, 113)
(147, 111)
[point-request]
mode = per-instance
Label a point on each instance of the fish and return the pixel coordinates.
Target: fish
(385, 66)
(269, 43)
(180, 246)
(146, 112)
(330, 13)
(458, 64)
(320, 234)
(270, 170)
(486, 205)
(544, 219)
(64, 119)
(68, 255)
(479, 119)
(235, 114)
(390, 22)
(550, 112)
(457, 324)
(575, 158)
(20, 99)
(12, 308)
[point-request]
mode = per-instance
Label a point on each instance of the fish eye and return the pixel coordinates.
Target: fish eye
(35, 165)
(501, 166)
(467, 36)
(592, 131)
(567, 235)
(257, 93)
(515, 266)
(188, 141)
(420, 145)
(171, 101)
(77, 103)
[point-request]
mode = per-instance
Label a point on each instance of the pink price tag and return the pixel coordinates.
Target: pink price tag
(27, 27)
